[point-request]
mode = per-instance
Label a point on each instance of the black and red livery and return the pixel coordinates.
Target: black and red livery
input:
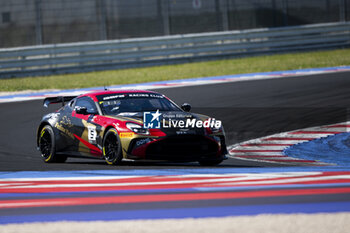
(109, 125)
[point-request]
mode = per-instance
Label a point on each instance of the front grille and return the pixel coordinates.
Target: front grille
(182, 147)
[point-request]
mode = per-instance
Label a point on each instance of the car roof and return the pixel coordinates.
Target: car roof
(94, 94)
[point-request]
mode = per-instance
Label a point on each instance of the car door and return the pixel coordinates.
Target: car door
(84, 129)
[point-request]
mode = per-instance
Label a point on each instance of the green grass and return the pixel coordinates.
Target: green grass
(190, 70)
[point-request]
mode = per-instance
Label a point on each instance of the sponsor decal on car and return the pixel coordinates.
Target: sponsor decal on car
(126, 135)
(143, 141)
(65, 132)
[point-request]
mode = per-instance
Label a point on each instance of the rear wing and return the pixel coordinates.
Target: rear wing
(57, 99)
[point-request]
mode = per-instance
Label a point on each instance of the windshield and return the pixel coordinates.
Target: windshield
(114, 104)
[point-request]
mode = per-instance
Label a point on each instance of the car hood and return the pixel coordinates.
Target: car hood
(174, 115)
(138, 117)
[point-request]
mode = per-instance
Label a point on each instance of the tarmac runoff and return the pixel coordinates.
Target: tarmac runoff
(332, 149)
(315, 146)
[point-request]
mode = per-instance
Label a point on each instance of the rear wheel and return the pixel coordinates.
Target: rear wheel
(47, 146)
(112, 150)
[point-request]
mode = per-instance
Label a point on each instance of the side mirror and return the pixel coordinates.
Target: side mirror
(186, 107)
(81, 110)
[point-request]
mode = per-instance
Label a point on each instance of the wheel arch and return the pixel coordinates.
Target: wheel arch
(106, 130)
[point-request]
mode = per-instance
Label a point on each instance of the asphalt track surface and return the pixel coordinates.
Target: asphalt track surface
(248, 109)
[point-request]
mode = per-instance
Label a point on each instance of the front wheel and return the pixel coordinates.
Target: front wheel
(112, 149)
(47, 146)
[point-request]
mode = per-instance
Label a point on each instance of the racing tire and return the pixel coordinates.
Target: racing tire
(47, 146)
(112, 149)
(210, 162)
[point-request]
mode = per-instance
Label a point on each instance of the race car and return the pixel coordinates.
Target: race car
(130, 125)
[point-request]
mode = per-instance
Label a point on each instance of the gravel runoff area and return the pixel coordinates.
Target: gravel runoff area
(291, 223)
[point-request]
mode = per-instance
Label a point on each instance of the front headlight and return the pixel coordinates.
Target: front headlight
(216, 129)
(136, 128)
(216, 126)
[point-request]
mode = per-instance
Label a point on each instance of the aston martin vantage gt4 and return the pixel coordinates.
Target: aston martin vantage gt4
(136, 125)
